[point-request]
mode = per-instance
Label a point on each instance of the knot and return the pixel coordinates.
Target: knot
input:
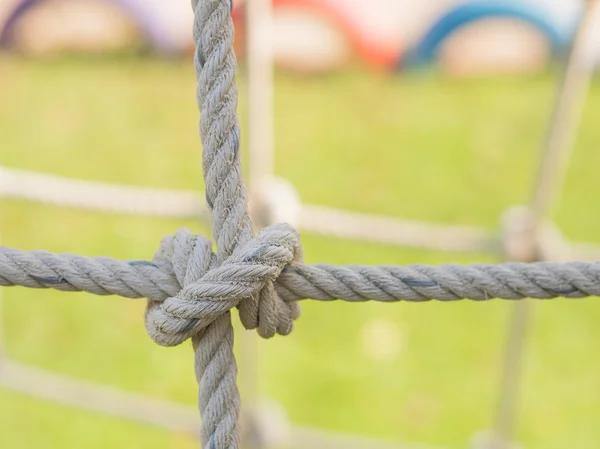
(275, 200)
(265, 424)
(524, 240)
(208, 290)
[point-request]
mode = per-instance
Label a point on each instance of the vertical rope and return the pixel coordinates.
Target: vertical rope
(215, 66)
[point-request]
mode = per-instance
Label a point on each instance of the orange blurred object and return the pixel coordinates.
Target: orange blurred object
(375, 53)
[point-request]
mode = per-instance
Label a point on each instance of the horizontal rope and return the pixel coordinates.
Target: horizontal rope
(160, 413)
(105, 197)
(396, 231)
(92, 195)
(104, 399)
(354, 283)
(98, 196)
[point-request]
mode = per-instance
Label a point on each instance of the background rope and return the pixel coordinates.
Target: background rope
(98, 196)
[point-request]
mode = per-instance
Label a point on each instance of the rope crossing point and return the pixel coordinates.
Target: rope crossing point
(191, 290)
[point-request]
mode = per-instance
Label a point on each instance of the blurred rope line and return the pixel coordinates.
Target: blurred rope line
(147, 201)
(90, 195)
(395, 231)
(162, 414)
(99, 398)
(554, 165)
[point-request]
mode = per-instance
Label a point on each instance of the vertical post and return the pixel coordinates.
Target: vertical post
(259, 53)
(568, 108)
(259, 61)
(512, 368)
(559, 141)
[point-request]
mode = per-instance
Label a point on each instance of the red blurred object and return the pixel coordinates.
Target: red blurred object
(374, 53)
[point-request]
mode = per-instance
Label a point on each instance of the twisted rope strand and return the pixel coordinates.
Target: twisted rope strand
(215, 365)
(354, 283)
(202, 306)
(191, 291)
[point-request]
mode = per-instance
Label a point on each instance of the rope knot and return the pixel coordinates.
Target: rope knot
(275, 200)
(208, 290)
(524, 240)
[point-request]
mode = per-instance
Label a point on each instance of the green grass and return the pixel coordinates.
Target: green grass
(429, 148)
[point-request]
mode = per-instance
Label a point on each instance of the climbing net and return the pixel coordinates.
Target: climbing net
(191, 290)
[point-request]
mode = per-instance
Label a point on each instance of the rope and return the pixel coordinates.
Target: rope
(395, 231)
(168, 415)
(184, 256)
(98, 196)
(86, 395)
(92, 195)
(215, 365)
(191, 290)
(124, 199)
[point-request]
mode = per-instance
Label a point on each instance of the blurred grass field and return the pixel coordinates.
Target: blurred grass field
(422, 147)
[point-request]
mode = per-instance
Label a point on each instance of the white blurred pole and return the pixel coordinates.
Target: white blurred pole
(259, 56)
(561, 135)
(554, 164)
(259, 59)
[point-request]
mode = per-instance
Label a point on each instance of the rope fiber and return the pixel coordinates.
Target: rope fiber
(259, 264)
(192, 290)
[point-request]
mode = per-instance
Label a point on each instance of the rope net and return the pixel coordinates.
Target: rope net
(191, 290)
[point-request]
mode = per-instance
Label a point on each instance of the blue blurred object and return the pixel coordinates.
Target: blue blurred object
(148, 23)
(535, 14)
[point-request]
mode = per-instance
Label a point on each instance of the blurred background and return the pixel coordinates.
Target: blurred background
(432, 111)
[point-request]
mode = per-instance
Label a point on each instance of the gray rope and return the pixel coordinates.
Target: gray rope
(242, 272)
(215, 365)
(191, 290)
(157, 280)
